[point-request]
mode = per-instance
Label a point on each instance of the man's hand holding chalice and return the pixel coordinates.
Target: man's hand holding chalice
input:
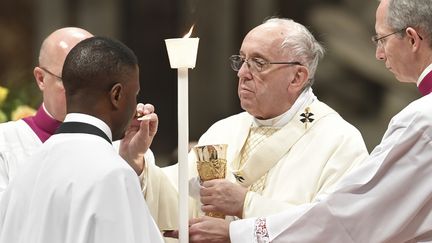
(218, 196)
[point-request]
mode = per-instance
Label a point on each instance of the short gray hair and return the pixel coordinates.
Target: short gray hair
(411, 13)
(301, 44)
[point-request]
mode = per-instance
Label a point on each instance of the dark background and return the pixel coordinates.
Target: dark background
(349, 78)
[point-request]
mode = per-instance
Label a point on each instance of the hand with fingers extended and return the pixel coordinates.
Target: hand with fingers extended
(205, 230)
(139, 136)
(222, 196)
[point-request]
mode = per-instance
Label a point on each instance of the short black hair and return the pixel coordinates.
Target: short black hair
(95, 64)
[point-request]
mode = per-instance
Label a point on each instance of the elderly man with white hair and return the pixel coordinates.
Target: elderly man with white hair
(287, 147)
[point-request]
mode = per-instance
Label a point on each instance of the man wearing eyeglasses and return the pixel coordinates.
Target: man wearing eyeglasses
(288, 146)
(388, 197)
(18, 139)
(302, 146)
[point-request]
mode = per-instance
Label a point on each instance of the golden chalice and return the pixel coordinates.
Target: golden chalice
(211, 164)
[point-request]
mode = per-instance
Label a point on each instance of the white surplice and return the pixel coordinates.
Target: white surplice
(387, 199)
(76, 189)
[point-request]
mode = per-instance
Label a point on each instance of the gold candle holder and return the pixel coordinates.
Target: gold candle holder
(211, 164)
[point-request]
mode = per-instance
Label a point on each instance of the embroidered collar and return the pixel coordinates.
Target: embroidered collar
(305, 99)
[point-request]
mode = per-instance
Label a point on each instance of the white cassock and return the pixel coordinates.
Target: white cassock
(76, 189)
(387, 199)
(311, 157)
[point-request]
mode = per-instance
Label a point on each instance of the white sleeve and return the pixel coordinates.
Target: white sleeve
(242, 230)
(386, 199)
(149, 160)
(149, 157)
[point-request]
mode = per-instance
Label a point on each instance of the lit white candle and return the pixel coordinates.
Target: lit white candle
(182, 54)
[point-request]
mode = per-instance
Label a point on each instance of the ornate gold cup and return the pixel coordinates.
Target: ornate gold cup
(211, 164)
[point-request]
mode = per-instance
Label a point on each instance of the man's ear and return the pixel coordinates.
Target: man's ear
(301, 77)
(116, 93)
(39, 77)
(414, 37)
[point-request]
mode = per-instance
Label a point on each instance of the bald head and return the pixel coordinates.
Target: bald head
(52, 55)
(58, 44)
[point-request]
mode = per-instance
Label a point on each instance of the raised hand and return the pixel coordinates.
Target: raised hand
(139, 136)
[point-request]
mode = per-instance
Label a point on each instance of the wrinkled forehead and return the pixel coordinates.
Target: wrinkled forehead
(266, 38)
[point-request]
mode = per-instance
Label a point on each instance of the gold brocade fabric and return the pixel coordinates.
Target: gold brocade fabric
(211, 164)
(256, 136)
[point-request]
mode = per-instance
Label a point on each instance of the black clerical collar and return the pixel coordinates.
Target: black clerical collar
(81, 127)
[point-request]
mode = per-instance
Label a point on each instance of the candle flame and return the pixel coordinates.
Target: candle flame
(189, 33)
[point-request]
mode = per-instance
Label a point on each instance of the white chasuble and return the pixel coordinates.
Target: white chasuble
(314, 155)
(275, 145)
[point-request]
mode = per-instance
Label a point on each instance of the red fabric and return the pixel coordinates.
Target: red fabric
(425, 86)
(42, 124)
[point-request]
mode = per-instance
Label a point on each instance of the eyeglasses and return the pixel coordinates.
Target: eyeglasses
(50, 73)
(379, 40)
(254, 64)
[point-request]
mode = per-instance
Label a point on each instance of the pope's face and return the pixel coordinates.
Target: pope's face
(265, 94)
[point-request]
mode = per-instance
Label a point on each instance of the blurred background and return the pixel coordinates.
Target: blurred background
(349, 78)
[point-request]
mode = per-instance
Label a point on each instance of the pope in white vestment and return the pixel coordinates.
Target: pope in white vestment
(287, 148)
(311, 156)
(76, 189)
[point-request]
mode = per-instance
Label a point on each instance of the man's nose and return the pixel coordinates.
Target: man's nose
(380, 52)
(244, 71)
